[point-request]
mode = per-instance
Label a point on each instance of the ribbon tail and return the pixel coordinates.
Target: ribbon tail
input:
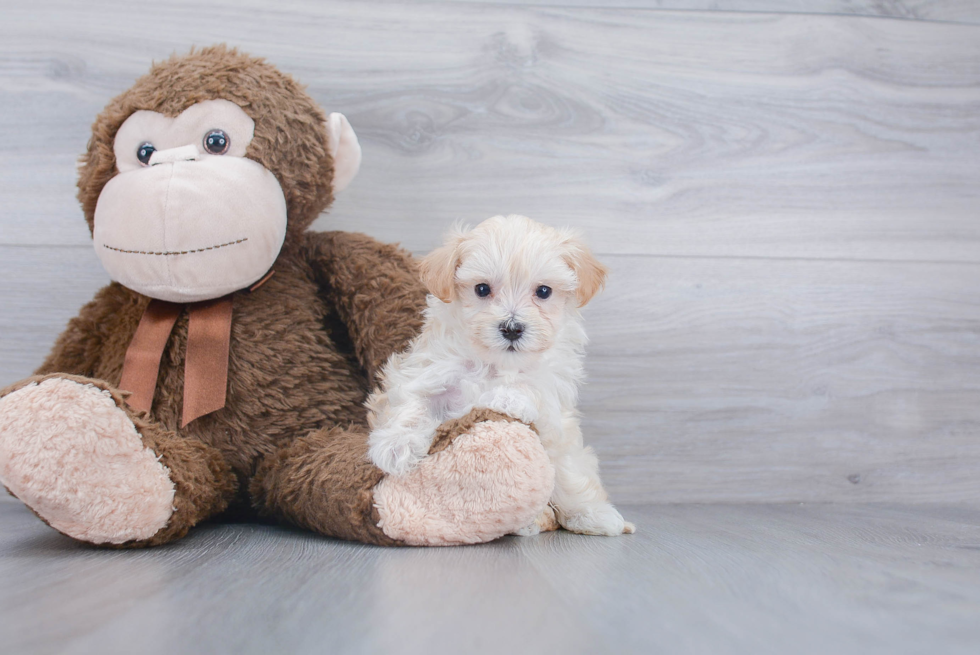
(206, 366)
(142, 364)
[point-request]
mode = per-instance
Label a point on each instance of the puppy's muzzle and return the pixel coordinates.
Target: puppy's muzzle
(512, 330)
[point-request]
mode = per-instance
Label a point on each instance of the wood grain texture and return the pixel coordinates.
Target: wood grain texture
(755, 380)
(658, 132)
(858, 579)
(788, 205)
(948, 11)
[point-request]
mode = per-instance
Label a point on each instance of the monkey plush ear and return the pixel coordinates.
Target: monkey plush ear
(591, 273)
(438, 268)
(344, 149)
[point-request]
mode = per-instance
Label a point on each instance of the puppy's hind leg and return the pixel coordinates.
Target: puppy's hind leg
(546, 522)
(581, 502)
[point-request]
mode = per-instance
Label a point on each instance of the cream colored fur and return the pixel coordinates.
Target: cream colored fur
(463, 359)
(74, 457)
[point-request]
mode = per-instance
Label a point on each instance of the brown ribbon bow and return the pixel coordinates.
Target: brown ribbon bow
(206, 361)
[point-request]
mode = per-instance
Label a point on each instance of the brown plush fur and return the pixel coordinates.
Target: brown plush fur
(324, 480)
(290, 136)
(291, 441)
(305, 345)
(288, 374)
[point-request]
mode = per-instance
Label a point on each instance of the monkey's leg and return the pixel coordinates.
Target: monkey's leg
(79, 458)
(486, 476)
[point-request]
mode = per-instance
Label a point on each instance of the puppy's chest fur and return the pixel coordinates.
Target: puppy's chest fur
(550, 387)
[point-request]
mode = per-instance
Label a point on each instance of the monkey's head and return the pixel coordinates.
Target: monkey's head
(196, 176)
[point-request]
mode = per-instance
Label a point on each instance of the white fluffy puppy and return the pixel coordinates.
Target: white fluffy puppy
(503, 331)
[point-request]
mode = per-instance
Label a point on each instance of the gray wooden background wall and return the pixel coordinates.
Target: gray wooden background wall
(787, 193)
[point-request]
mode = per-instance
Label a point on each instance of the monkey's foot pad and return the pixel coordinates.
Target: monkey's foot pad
(75, 458)
(492, 480)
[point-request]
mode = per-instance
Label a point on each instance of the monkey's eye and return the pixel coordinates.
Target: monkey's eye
(543, 292)
(482, 290)
(216, 142)
(144, 152)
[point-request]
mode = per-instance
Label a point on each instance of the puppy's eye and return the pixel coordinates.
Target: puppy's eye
(482, 290)
(144, 152)
(543, 292)
(216, 142)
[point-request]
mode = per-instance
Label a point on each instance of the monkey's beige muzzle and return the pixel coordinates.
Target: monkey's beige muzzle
(185, 229)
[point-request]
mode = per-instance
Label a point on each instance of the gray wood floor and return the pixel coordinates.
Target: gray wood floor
(787, 194)
(717, 579)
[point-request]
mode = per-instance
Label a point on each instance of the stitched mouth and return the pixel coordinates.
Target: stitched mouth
(175, 252)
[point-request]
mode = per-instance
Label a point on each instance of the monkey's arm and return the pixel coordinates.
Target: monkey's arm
(375, 288)
(83, 344)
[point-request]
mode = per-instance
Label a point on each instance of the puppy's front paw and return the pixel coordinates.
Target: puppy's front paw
(397, 451)
(599, 519)
(512, 402)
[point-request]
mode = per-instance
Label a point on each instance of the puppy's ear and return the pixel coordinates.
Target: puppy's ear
(438, 268)
(591, 273)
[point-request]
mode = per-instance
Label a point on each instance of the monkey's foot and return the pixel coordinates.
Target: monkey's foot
(491, 479)
(72, 454)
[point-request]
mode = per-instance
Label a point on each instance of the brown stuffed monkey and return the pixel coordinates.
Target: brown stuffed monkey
(226, 366)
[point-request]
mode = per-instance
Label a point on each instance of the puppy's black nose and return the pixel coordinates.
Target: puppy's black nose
(512, 330)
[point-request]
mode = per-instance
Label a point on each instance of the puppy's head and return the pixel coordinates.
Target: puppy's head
(513, 282)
